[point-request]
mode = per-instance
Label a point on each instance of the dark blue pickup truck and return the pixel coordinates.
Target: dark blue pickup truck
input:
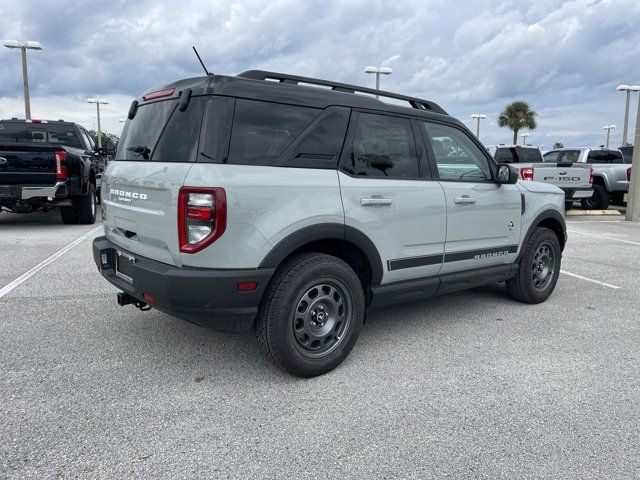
(46, 164)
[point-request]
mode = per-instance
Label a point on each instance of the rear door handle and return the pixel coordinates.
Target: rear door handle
(375, 201)
(464, 199)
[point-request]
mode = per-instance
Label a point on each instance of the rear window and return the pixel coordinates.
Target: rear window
(159, 132)
(263, 130)
(627, 153)
(518, 155)
(604, 156)
(19, 132)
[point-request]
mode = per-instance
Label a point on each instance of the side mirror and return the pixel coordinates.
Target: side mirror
(507, 174)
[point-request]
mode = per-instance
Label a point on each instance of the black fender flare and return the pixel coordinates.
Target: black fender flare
(546, 215)
(326, 231)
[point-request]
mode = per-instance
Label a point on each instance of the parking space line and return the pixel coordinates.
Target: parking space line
(603, 236)
(30, 273)
(587, 279)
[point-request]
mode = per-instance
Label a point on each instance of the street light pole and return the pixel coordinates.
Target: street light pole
(23, 46)
(608, 128)
(633, 197)
(478, 117)
(98, 101)
(524, 138)
(378, 72)
(628, 89)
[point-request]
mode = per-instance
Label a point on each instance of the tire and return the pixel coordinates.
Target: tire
(599, 200)
(86, 206)
(69, 215)
(617, 198)
(291, 310)
(534, 281)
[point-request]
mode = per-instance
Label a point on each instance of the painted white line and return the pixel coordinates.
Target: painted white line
(587, 279)
(604, 236)
(30, 273)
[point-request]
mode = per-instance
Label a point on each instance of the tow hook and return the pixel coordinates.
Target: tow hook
(126, 299)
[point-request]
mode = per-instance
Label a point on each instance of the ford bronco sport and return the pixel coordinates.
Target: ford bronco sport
(293, 205)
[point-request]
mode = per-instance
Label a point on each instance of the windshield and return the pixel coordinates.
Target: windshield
(18, 132)
(518, 155)
(160, 132)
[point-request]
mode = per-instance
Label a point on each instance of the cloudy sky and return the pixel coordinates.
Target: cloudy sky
(475, 56)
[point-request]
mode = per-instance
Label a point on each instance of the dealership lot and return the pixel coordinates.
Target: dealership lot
(470, 384)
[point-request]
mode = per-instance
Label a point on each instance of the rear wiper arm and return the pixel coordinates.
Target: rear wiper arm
(140, 150)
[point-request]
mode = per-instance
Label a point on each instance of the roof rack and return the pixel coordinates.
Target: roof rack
(417, 103)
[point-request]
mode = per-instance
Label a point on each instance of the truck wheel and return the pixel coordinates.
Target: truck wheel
(598, 201)
(69, 215)
(311, 314)
(86, 206)
(539, 268)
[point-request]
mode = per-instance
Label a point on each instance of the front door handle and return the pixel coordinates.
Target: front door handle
(464, 200)
(375, 201)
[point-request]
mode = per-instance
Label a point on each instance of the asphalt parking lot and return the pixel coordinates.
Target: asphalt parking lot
(467, 385)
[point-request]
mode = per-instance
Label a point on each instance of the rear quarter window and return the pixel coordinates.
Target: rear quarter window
(263, 130)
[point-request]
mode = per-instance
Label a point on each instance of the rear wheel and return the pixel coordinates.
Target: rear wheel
(598, 201)
(69, 215)
(539, 268)
(86, 206)
(311, 314)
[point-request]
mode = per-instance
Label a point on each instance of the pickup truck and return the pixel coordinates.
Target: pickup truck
(574, 180)
(610, 180)
(46, 164)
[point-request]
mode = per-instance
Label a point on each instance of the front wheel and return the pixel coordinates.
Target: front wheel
(311, 314)
(539, 268)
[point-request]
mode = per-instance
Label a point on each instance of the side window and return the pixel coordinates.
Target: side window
(88, 140)
(456, 155)
(263, 130)
(321, 142)
(383, 146)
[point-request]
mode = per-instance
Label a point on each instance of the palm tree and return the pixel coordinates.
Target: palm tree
(518, 115)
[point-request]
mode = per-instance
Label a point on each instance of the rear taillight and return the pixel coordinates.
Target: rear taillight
(526, 173)
(61, 165)
(590, 176)
(629, 174)
(202, 217)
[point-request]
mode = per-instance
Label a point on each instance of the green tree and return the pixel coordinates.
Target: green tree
(558, 145)
(518, 115)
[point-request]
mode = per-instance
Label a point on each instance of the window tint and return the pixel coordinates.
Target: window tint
(322, 142)
(627, 153)
(506, 155)
(161, 133)
(263, 130)
(383, 146)
(457, 156)
(54, 134)
(87, 139)
(570, 156)
(551, 156)
(604, 156)
(216, 130)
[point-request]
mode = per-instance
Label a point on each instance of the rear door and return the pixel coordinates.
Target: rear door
(387, 197)
(483, 217)
(140, 188)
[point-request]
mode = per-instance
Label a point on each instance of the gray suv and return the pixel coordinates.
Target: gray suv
(293, 205)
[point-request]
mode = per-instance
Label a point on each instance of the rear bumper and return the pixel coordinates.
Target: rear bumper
(26, 192)
(206, 297)
(577, 193)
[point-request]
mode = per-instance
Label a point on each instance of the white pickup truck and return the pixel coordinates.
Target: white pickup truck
(575, 180)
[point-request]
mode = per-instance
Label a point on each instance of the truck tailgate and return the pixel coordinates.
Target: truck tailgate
(575, 176)
(27, 164)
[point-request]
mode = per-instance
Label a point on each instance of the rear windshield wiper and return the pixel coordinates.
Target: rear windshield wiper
(140, 150)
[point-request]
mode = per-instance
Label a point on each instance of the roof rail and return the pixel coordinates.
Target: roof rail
(417, 103)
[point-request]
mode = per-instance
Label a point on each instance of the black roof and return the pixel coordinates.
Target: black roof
(296, 90)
